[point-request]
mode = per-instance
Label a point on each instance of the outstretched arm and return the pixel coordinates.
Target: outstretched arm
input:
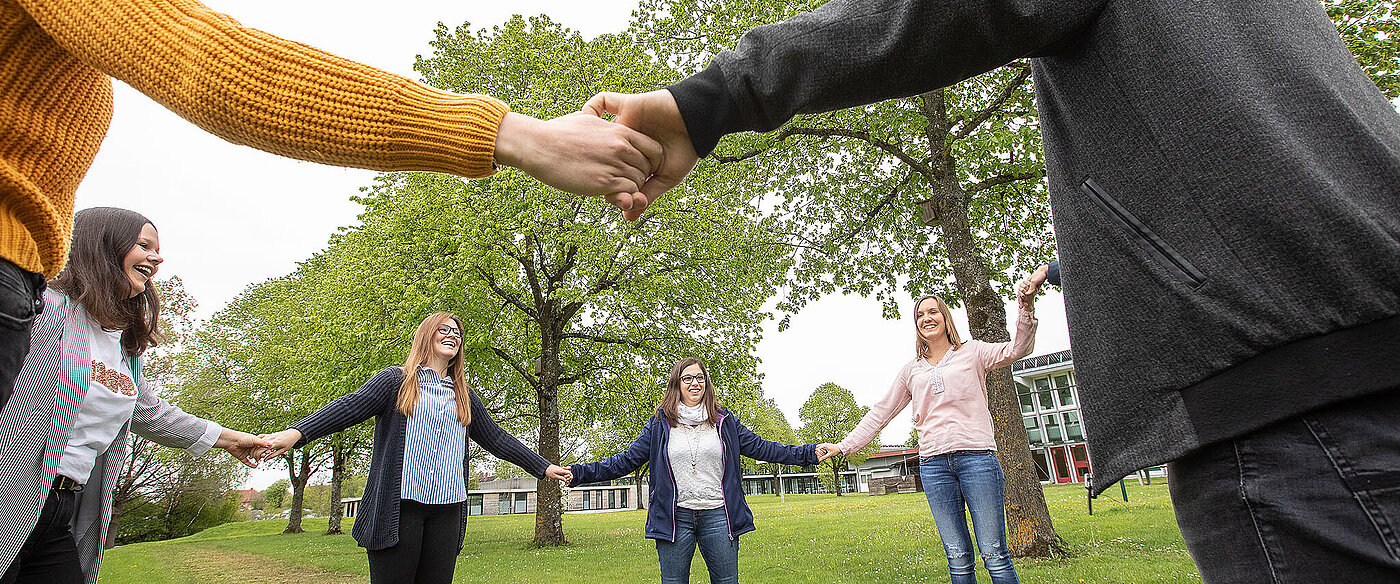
(486, 432)
(845, 53)
(253, 88)
(620, 464)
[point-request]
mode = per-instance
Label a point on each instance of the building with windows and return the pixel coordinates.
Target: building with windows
(1049, 400)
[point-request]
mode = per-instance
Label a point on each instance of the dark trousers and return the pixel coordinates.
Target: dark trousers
(21, 299)
(1315, 498)
(50, 555)
(427, 548)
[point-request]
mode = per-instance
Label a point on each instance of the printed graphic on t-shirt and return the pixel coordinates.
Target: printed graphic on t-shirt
(113, 379)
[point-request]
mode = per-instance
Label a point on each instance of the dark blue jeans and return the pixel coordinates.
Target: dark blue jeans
(1315, 498)
(969, 480)
(710, 530)
(21, 299)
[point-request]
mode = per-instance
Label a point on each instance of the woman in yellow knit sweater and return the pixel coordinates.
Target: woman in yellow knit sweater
(250, 88)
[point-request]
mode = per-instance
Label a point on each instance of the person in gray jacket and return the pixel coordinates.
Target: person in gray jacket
(78, 397)
(1225, 185)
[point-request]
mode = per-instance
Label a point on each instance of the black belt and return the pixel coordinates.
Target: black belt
(62, 483)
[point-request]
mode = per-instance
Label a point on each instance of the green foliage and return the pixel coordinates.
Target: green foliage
(199, 496)
(913, 441)
(768, 421)
(828, 415)
(1371, 30)
(275, 495)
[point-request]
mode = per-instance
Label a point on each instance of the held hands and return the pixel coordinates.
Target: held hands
(827, 450)
(1027, 289)
(656, 115)
(559, 473)
(246, 447)
(579, 153)
(279, 442)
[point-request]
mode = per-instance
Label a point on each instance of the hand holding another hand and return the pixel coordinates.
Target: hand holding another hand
(246, 447)
(827, 450)
(279, 442)
(578, 153)
(1029, 287)
(559, 473)
(656, 115)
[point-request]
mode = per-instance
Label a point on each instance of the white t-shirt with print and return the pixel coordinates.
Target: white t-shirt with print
(107, 406)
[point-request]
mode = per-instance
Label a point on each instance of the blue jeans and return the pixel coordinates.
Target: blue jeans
(710, 530)
(972, 480)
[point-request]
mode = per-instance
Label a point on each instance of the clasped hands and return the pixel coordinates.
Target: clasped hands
(630, 162)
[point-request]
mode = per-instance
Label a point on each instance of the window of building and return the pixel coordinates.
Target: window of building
(587, 501)
(474, 504)
(504, 499)
(1043, 393)
(1064, 386)
(521, 502)
(1023, 395)
(612, 499)
(597, 499)
(624, 499)
(1073, 429)
(1032, 430)
(1052, 428)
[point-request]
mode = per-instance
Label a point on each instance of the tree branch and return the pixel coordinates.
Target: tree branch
(1002, 179)
(992, 108)
(861, 135)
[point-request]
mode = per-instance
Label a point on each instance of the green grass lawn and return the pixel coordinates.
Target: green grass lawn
(809, 539)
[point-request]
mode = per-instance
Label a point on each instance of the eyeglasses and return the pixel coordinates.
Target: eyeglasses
(448, 331)
(689, 379)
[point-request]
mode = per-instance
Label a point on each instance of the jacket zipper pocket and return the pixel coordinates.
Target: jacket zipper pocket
(1154, 244)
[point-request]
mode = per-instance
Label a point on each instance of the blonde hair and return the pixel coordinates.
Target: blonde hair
(950, 329)
(419, 353)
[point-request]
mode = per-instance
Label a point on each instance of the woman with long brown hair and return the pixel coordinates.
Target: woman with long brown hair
(80, 394)
(697, 499)
(413, 514)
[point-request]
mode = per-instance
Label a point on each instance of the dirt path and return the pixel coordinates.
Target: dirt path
(205, 563)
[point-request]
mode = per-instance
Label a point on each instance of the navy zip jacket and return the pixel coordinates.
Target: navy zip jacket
(651, 446)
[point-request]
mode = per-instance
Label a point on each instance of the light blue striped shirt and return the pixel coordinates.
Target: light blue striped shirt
(435, 444)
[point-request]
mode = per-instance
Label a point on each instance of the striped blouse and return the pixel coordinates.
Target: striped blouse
(435, 444)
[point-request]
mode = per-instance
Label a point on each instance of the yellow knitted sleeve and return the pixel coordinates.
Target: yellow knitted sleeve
(253, 88)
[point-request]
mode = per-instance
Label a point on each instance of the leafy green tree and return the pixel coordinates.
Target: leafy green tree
(276, 494)
(1371, 30)
(768, 421)
(889, 199)
(564, 304)
(828, 415)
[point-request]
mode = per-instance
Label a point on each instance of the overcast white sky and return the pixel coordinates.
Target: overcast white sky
(230, 216)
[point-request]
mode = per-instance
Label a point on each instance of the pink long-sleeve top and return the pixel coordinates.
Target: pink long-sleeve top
(950, 397)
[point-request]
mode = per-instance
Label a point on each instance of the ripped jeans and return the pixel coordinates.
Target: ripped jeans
(971, 480)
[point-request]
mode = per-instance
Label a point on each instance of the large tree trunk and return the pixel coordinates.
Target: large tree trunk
(549, 517)
(1031, 533)
(339, 453)
(836, 474)
(299, 481)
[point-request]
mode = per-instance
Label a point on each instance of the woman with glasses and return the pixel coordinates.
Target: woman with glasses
(693, 446)
(413, 515)
(947, 383)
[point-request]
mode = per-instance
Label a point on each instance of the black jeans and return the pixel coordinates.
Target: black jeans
(1315, 498)
(427, 548)
(21, 299)
(50, 555)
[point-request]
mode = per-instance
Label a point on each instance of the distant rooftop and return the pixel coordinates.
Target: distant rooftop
(1042, 361)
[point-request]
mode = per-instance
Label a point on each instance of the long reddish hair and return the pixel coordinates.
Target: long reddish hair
(419, 353)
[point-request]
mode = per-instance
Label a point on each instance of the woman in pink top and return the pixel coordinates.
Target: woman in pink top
(946, 382)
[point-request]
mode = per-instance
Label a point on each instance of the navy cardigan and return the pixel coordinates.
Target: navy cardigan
(651, 446)
(377, 522)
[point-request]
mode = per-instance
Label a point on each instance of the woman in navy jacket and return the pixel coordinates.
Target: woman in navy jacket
(697, 498)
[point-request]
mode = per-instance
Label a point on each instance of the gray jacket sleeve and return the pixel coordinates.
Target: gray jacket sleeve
(854, 52)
